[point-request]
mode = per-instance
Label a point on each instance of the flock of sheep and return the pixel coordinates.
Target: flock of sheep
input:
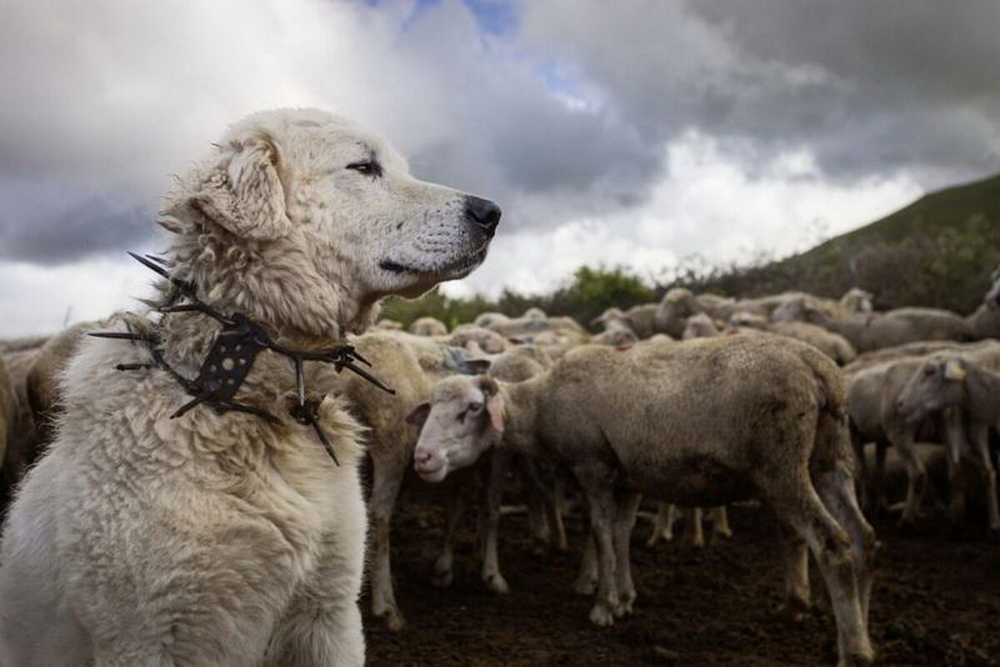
(695, 402)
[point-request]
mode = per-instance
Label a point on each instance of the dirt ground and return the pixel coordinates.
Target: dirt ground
(936, 602)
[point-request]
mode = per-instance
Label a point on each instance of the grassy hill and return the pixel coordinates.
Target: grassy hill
(938, 251)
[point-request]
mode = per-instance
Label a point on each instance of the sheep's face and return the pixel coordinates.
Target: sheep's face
(462, 421)
(858, 301)
(937, 384)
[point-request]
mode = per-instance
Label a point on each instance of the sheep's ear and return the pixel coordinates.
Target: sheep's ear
(953, 370)
(494, 407)
(418, 415)
(247, 197)
(476, 366)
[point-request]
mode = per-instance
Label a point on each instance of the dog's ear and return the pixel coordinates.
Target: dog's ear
(247, 196)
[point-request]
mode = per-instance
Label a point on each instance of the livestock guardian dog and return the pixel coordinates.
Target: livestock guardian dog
(225, 539)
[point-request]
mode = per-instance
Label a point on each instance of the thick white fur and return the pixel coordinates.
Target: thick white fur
(224, 540)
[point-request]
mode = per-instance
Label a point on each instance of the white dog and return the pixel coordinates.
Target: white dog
(223, 539)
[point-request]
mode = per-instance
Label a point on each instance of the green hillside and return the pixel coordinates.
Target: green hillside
(938, 251)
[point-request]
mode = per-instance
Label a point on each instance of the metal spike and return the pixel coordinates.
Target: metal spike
(150, 264)
(193, 403)
(117, 335)
(182, 308)
(133, 367)
(323, 439)
(371, 378)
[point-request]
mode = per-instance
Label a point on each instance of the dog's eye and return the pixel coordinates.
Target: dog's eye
(368, 168)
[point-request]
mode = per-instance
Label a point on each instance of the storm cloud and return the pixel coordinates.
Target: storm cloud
(627, 133)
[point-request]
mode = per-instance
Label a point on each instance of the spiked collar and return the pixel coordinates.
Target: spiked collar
(231, 358)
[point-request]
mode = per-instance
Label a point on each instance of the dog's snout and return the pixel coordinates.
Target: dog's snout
(482, 213)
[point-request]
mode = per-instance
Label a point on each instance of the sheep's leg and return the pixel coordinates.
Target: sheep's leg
(720, 522)
(956, 492)
(981, 440)
(831, 545)
(663, 526)
(864, 475)
(489, 518)
(954, 436)
(836, 488)
(798, 598)
(694, 533)
(385, 491)
(917, 479)
(628, 505)
(443, 573)
(586, 580)
(597, 483)
(879, 499)
(538, 491)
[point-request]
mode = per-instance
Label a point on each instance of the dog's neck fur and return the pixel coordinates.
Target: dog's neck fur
(296, 308)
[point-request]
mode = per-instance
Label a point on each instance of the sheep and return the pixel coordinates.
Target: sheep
(43, 388)
(675, 308)
(404, 360)
(857, 300)
(9, 411)
(388, 325)
(412, 364)
(872, 331)
(428, 326)
(873, 394)
(639, 421)
(490, 342)
(699, 325)
(917, 349)
(488, 319)
(535, 314)
(949, 380)
(831, 344)
(617, 330)
(518, 364)
(642, 319)
(22, 444)
(557, 334)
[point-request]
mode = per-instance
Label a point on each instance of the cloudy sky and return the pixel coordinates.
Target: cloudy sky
(631, 133)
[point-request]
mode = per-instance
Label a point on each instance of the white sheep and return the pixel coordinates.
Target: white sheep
(640, 421)
(950, 381)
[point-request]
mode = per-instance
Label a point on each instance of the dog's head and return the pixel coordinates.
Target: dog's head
(306, 220)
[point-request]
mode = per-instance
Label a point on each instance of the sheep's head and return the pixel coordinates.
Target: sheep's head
(700, 325)
(857, 300)
(937, 384)
(608, 316)
(464, 418)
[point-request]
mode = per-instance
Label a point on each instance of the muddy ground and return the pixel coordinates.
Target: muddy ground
(936, 602)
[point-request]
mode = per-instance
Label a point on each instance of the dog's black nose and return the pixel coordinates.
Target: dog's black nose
(482, 213)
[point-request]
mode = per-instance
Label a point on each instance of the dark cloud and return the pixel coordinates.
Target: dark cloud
(869, 87)
(56, 224)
